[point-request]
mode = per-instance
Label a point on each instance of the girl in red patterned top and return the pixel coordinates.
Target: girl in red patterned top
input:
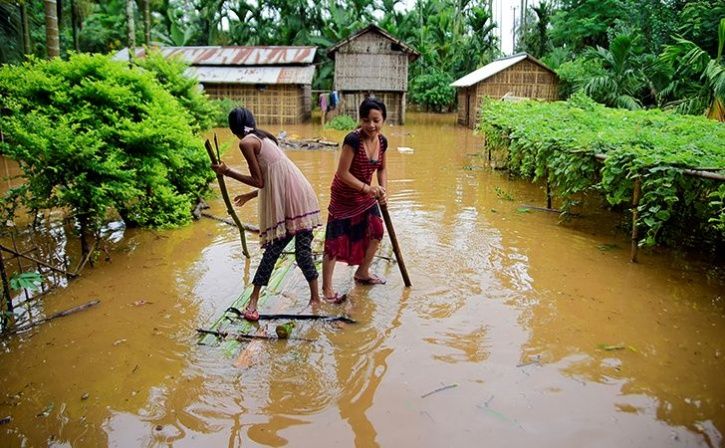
(354, 226)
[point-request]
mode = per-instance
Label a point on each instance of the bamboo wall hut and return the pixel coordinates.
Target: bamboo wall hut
(273, 82)
(519, 75)
(372, 62)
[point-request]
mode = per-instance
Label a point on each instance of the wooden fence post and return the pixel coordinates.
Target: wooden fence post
(635, 216)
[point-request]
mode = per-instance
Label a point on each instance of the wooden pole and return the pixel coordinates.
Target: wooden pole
(548, 191)
(394, 242)
(8, 307)
(227, 202)
(635, 216)
(64, 313)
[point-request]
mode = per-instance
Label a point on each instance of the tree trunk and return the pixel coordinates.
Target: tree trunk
(147, 21)
(131, 30)
(51, 29)
(26, 27)
(74, 23)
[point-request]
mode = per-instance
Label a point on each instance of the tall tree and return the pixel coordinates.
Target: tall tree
(131, 29)
(25, 23)
(51, 29)
(147, 22)
(623, 81)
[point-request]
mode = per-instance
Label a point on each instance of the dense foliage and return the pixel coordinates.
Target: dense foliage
(92, 135)
(623, 53)
(342, 123)
(559, 141)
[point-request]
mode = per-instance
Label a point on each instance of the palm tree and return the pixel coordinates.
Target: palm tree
(51, 29)
(698, 81)
(619, 87)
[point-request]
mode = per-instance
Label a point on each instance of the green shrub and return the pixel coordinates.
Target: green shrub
(170, 72)
(92, 135)
(433, 90)
(222, 107)
(574, 75)
(342, 123)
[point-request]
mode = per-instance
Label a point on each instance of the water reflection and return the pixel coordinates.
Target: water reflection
(519, 330)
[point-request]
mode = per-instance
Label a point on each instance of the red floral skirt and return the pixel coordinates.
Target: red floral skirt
(348, 239)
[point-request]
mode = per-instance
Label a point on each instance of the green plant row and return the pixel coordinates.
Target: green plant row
(559, 141)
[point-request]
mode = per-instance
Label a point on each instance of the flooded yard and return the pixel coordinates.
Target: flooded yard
(518, 330)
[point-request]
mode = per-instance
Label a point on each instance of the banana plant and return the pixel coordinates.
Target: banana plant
(698, 81)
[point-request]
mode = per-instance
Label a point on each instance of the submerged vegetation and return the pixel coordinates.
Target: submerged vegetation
(580, 146)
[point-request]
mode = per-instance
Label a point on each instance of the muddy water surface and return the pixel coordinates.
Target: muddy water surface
(518, 330)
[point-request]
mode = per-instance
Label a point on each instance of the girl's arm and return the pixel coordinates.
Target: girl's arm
(246, 197)
(255, 179)
(343, 172)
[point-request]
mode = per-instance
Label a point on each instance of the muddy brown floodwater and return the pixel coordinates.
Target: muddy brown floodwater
(518, 330)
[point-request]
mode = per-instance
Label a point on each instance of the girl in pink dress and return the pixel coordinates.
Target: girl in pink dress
(288, 205)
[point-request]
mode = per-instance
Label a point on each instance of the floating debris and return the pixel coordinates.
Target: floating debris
(440, 389)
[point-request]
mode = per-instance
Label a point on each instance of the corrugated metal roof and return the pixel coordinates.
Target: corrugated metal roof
(234, 56)
(494, 67)
(488, 70)
(253, 75)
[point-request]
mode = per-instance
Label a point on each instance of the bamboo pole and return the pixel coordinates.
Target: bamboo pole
(635, 216)
(227, 202)
(394, 242)
(63, 313)
(61, 271)
(704, 173)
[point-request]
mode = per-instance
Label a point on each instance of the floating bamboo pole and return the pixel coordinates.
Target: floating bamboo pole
(225, 196)
(63, 313)
(394, 242)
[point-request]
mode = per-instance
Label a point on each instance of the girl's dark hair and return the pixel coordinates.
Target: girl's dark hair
(369, 104)
(239, 118)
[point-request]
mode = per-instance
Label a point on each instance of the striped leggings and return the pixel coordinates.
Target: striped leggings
(303, 255)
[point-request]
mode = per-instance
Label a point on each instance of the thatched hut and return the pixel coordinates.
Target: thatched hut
(372, 62)
(520, 75)
(274, 82)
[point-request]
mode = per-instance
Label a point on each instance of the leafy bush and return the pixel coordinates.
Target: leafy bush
(560, 140)
(433, 90)
(170, 72)
(574, 75)
(342, 123)
(222, 107)
(92, 135)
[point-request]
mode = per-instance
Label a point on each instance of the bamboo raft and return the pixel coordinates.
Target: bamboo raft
(232, 333)
(232, 324)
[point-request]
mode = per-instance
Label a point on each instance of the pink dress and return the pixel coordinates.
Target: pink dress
(287, 203)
